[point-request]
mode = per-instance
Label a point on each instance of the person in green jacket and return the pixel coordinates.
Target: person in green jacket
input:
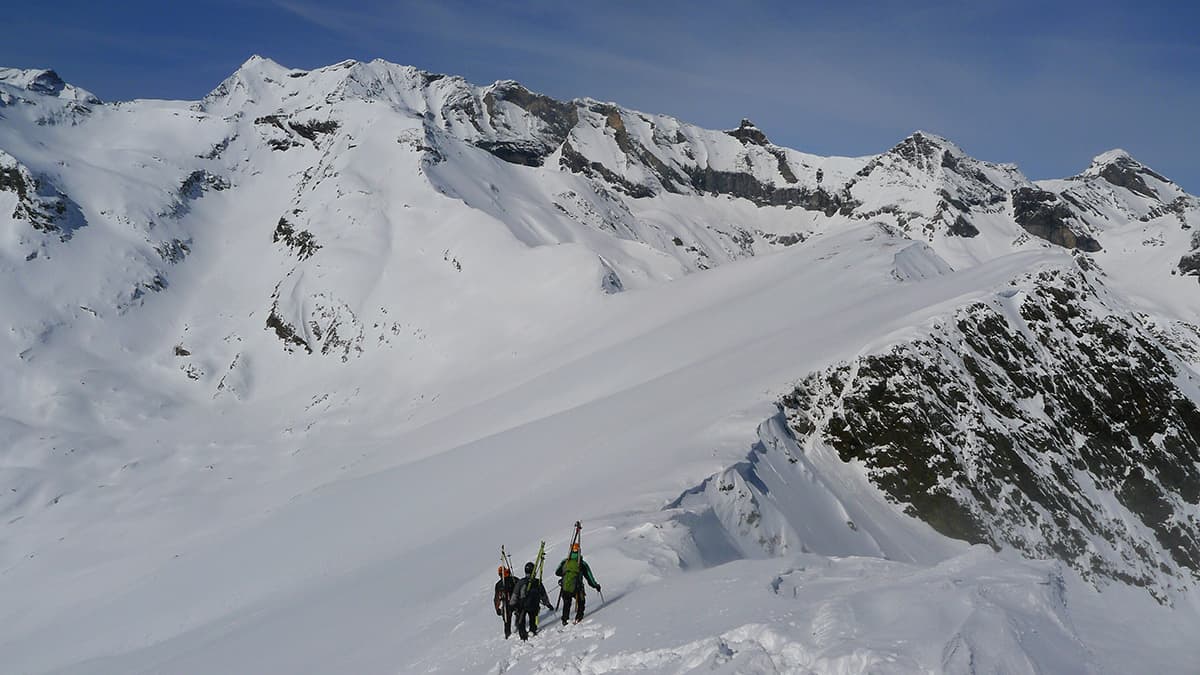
(573, 572)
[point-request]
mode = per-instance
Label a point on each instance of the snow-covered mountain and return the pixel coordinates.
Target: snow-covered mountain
(286, 365)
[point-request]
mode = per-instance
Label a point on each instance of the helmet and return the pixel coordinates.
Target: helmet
(529, 568)
(503, 571)
(575, 547)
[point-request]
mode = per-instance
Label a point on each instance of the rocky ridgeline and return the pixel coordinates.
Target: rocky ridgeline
(925, 185)
(1040, 419)
(949, 190)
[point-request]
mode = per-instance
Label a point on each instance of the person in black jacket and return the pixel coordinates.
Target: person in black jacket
(574, 571)
(529, 594)
(504, 593)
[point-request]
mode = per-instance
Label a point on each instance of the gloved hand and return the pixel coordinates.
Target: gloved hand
(498, 612)
(597, 588)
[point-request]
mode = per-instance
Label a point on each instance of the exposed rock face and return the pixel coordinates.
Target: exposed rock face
(521, 127)
(576, 162)
(963, 228)
(746, 186)
(1042, 420)
(1190, 263)
(555, 120)
(38, 203)
(924, 152)
(933, 189)
(47, 82)
(1118, 168)
(516, 152)
(1043, 215)
(301, 241)
(925, 185)
(747, 133)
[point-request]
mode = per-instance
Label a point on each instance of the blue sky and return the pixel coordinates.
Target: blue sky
(1043, 84)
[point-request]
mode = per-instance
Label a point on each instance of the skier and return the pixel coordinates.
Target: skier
(504, 592)
(571, 569)
(529, 595)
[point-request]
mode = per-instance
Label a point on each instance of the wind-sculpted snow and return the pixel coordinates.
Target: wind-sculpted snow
(809, 614)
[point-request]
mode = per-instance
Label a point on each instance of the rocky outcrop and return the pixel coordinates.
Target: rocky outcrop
(1120, 169)
(1044, 215)
(749, 134)
(746, 186)
(962, 228)
(576, 162)
(1189, 264)
(302, 242)
(39, 203)
(554, 121)
(1041, 420)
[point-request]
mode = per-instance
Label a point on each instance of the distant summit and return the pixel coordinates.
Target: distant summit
(46, 83)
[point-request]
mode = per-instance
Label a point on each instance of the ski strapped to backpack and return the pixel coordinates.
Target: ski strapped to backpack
(540, 561)
(538, 564)
(506, 565)
(571, 567)
(505, 560)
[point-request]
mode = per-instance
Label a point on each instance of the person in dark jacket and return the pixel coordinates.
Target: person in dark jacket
(573, 572)
(504, 593)
(529, 595)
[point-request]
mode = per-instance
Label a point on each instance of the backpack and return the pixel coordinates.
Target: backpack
(525, 594)
(506, 586)
(570, 580)
(516, 596)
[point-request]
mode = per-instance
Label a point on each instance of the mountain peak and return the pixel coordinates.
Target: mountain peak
(748, 133)
(926, 151)
(1119, 168)
(926, 144)
(261, 65)
(1116, 155)
(46, 82)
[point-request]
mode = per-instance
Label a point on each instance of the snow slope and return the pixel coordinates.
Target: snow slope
(285, 366)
